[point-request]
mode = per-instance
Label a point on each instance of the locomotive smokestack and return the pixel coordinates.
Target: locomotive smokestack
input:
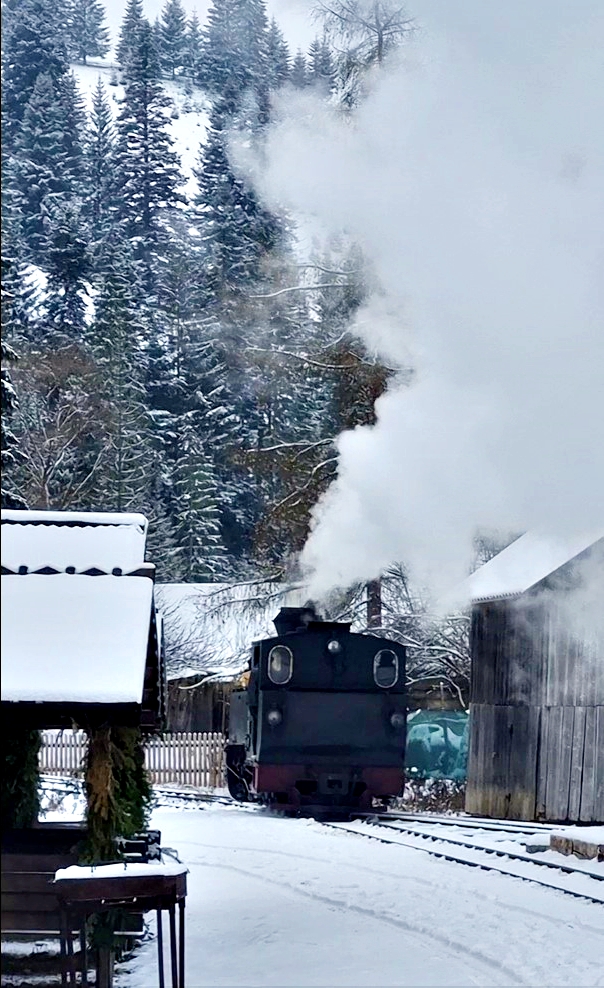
(294, 619)
(374, 604)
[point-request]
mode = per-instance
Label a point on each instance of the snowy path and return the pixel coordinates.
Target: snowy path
(277, 902)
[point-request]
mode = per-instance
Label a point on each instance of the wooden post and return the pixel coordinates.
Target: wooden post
(105, 964)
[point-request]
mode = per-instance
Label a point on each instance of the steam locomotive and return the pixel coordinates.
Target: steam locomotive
(321, 724)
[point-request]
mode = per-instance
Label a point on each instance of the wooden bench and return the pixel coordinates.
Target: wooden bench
(30, 858)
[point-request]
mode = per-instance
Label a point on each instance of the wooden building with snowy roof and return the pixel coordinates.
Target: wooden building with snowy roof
(537, 696)
(81, 639)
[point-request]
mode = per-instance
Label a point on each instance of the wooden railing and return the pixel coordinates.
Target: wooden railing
(192, 758)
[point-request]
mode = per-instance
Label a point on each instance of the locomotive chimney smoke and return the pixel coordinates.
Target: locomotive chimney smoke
(472, 177)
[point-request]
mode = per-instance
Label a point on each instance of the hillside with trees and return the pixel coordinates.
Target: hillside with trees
(166, 348)
(158, 359)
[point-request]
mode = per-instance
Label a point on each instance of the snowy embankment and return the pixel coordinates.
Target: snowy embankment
(281, 902)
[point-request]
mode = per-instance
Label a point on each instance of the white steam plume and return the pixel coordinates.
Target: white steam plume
(472, 176)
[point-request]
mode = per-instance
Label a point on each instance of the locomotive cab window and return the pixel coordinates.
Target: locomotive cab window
(385, 668)
(280, 665)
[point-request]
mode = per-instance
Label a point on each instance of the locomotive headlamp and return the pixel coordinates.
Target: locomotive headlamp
(397, 720)
(334, 647)
(274, 717)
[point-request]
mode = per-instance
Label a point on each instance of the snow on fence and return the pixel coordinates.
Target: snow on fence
(192, 758)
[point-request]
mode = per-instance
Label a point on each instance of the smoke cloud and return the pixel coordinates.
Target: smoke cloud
(473, 178)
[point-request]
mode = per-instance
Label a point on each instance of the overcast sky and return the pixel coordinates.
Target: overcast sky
(293, 16)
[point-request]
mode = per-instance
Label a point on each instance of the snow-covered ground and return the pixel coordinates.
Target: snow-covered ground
(189, 118)
(281, 902)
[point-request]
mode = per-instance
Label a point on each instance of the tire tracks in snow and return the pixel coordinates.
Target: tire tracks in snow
(462, 951)
(422, 882)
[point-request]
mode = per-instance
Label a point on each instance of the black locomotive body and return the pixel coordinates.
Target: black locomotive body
(322, 722)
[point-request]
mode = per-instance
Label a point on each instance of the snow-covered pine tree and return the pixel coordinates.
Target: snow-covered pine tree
(299, 73)
(239, 232)
(278, 57)
(87, 35)
(74, 133)
(161, 544)
(186, 382)
(9, 401)
(126, 455)
(286, 440)
(47, 165)
(243, 242)
(193, 49)
(35, 169)
(321, 71)
(202, 556)
(234, 55)
(131, 23)
(67, 262)
(174, 41)
(147, 173)
(157, 35)
(33, 44)
(99, 162)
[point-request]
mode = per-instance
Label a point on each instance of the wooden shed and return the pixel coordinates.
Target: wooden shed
(537, 696)
(81, 646)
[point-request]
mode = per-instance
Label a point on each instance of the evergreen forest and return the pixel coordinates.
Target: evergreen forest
(169, 351)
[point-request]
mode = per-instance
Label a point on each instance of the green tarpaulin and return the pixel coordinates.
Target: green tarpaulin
(437, 744)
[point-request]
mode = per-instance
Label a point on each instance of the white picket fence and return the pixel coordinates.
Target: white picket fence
(192, 758)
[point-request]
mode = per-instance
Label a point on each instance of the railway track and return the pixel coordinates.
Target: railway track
(73, 787)
(509, 862)
(470, 822)
(429, 833)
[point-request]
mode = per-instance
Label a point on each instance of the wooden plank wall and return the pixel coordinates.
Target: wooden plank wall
(537, 713)
(502, 762)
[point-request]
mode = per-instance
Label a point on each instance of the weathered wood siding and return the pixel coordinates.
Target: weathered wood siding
(197, 706)
(537, 713)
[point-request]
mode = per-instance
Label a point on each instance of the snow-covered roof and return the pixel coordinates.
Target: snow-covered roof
(209, 627)
(72, 638)
(82, 539)
(525, 563)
